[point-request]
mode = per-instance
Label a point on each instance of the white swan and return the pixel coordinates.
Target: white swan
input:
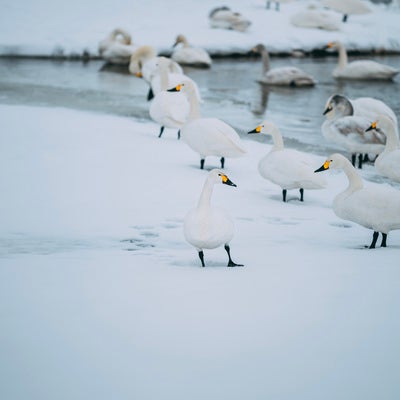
(117, 47)
(360, 69)
(287, 168)
(375, 207)
(208, 136)
(189, 55)
(170, 110)
(388, 162)
(224, 18)
(207, 227)
(281, 76)
(316, 18)
(346, 123)
(347, 7)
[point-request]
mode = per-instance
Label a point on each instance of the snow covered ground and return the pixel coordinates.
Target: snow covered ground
(46, 27)
(101, 297)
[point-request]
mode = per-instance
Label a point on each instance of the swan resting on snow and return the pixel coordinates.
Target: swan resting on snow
(287, 168)
(316, 18)
(208, 227)
(188, 55)
(375, 207)
(388, 162)
(223, 17)
(117, 47)
(281, 76)
(360, 69)
(207, 136)
(347, 121)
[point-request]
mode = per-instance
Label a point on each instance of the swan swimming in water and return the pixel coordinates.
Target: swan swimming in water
(375, 207)
(188, 55)
(388, 162)
(208, 136)
(287, 168)
(170, 110)
(346, 123)
(360, 69)
(117, 47)
(208, 227)
(281, 76)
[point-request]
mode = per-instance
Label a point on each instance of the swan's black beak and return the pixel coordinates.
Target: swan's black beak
(175, 89)
(228, 182)
(323, 167)
(371, 127)
(256, 130)
(326, 110)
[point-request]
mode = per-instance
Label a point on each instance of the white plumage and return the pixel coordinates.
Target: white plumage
(360, 69)
(208, 227)
(117, 47)
(281, 76)
(287, 168)
(316, 18)
(224, 18)
(208, 136)
(347, 120)
(375, 207)
(388, 162)
(170, 110)
(185, 54)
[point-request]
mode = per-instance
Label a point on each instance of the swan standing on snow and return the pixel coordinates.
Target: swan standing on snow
(144, 64)
(281, 76)
(360, 69)
(375, 207)
(287, 168)
(388, 162)
(188, 55)
(225, 18)
(208, 136)
(117, 48)
(207, 227)
(170, 110)
(346, 123)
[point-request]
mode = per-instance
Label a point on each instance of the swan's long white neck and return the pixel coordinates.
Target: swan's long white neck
(205, 197)
(265, 60)
(392, 140)
(164, 81)
(194, 104)
(342, 55)
(355, 181)
(277, 139)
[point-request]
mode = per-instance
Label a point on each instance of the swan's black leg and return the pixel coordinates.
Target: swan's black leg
(179, 134)
(150, 95)
(202, 163)
(360, 160)
(231, 263)
(284, 191)
(222, 162)
(344, 18)
(201, 256)
(301, 194)
(353, 159)
(374, 239)
(161, 131)
(384, 237)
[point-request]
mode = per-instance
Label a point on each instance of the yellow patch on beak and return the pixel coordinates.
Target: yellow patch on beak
(373, 125)
(224, 178)
(178, 88)
(326, 164)
(330, 45)
(139, 74)
(258, 129)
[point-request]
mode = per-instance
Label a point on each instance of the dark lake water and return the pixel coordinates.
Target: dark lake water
(229, 91)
